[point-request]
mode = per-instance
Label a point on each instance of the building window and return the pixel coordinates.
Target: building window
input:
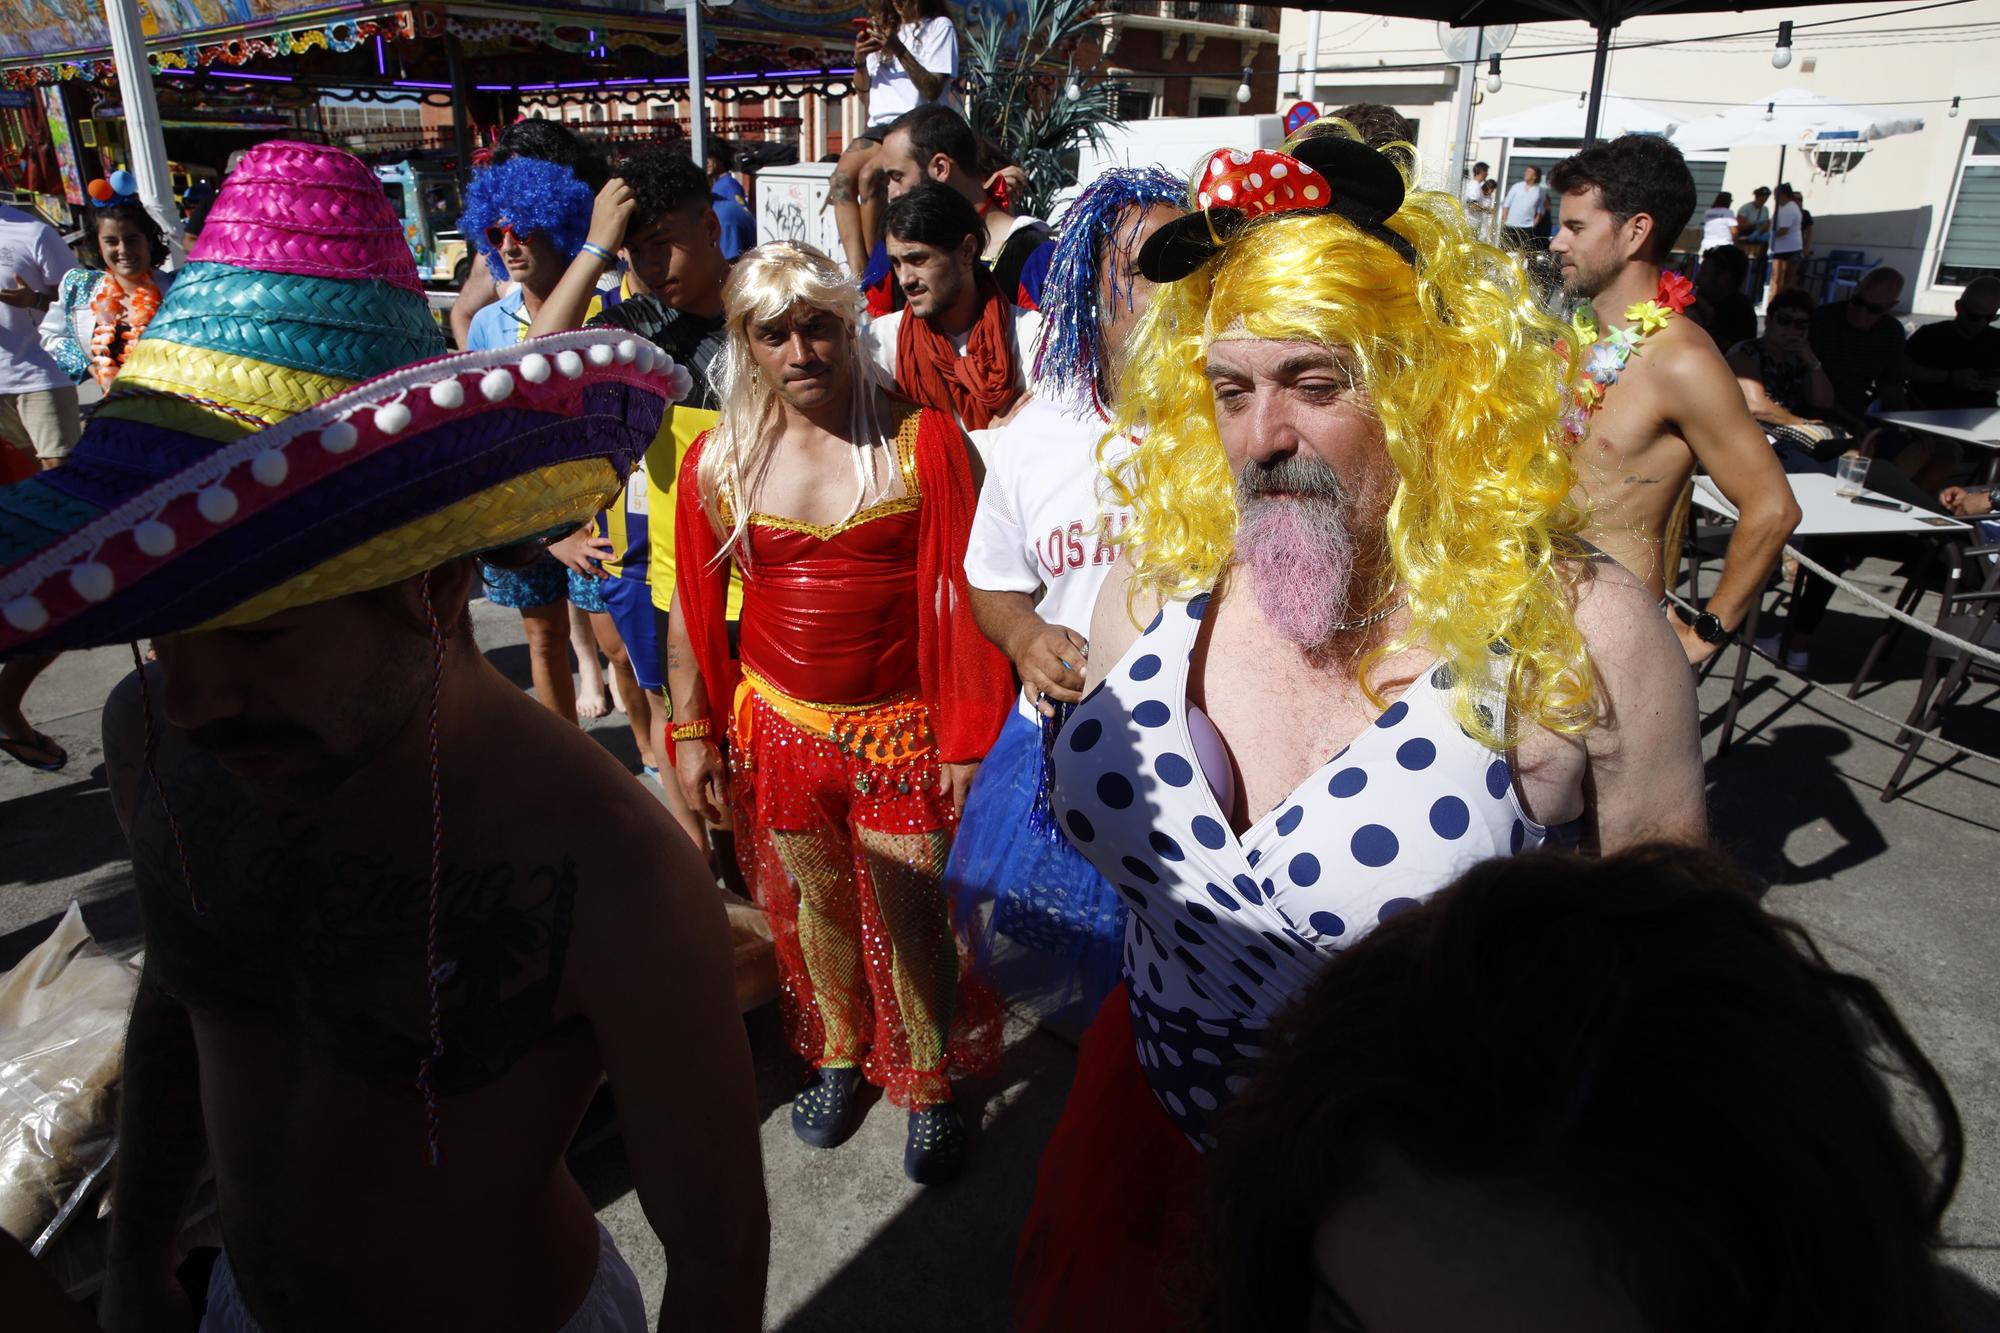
(1137, 97)
(1972, 227)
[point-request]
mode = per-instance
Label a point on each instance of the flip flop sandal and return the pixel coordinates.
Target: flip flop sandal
(21, 750)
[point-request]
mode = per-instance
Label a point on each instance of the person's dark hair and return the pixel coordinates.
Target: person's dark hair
(933, 9)
(1722, 200)
(1729, 259)
(1761, 189)
(1478, 167)
(663, 181)
(551, 141)
(1634, 174)
(1633, 1043)
(934, 214)
(1792, 298)
(722, 154)
(1377, 125)
(935, 129)
(134, 214)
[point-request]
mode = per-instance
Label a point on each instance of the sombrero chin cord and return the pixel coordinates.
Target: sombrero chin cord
(153, 776)
(433, 1148)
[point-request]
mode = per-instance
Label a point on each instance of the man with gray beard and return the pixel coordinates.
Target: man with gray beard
(1352, 646)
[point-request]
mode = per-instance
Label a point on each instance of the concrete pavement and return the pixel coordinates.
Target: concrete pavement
(1899, 892)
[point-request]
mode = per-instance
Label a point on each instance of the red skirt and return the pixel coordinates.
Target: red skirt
(1108, 1243)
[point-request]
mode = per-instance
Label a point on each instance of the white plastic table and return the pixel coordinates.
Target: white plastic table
(1974, 425)
(1825, 514)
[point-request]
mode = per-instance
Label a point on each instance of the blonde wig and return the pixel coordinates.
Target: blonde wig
(1464, 373)
(763, 284)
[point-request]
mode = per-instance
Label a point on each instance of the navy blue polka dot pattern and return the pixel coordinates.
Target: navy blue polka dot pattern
(1228, 926)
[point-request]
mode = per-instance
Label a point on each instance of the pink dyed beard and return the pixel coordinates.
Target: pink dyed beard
(1300, 554)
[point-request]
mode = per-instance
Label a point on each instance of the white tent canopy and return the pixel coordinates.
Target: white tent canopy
(1797, 118)
(1564, 120)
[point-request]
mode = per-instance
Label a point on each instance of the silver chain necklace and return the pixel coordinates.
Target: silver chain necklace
(1344, 626)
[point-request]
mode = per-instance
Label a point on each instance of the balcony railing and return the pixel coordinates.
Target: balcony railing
(1198, 11)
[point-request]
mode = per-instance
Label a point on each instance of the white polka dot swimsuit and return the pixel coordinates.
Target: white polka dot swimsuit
(1226, 929)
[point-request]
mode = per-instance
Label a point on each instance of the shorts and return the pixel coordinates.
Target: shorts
(587, 594)
(630, 602)
(877, 132)
(613, 1304)
(44, 422)
(540, 584)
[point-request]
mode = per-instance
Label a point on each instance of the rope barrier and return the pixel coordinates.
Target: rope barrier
(1903, 728)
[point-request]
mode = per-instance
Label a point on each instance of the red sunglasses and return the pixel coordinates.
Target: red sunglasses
(498, 235)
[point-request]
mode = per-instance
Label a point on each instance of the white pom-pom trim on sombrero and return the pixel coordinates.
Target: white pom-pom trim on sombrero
(127, 542)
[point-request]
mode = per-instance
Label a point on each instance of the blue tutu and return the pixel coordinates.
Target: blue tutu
(1046, 927)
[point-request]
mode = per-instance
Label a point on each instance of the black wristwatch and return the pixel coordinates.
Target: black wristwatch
(1707, 625)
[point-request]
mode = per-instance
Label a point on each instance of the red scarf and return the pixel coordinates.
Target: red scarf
(975, 387)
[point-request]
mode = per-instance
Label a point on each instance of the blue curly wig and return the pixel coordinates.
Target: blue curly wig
(527, 194)
(1069, 360)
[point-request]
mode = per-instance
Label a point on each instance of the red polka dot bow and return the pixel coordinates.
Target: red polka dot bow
(1259, 182)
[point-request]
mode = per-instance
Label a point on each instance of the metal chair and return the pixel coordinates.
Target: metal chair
(1968, 610)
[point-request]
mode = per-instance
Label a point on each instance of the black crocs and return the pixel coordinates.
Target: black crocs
(936, 1149)
(823, 1114)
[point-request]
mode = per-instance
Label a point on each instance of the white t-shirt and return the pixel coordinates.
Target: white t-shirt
(933, 43)
(1524, 201)
(880, 339)
(1045, 520)
(1474, 194)
(1787, 234)
(32, 253)
(1718, 227)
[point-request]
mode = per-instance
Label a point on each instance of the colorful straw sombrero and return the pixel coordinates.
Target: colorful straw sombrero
(286, 432)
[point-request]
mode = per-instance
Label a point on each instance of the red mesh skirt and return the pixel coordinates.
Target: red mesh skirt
(1106, 1245)
(846, 858)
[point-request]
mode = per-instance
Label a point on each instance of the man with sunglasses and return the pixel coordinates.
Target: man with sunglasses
(1673, 402)
(1956, 363)
(1862, 345)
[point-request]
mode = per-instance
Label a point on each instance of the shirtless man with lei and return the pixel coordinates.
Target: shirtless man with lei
(1654, 397)
(401, 921)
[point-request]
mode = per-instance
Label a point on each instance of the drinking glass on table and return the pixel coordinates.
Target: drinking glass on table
(1853, 476)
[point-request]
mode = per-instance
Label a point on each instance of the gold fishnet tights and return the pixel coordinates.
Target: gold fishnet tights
(907, 871)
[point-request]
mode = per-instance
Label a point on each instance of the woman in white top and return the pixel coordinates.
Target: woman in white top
(1718, 224)
(905, 54)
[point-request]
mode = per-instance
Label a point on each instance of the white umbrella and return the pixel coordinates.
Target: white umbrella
(1796, 118)
(1565, 120)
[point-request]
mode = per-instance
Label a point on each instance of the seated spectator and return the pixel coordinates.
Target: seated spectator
(1572, 1095)
(1956, 363)
(1718, 224)
(1860, 344)
(1720, 306)
(1782, 380)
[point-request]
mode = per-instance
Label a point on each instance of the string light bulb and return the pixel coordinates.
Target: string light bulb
(1770, 108)
(1243, 88)
(1074, 91)
(1493, 75)
(1781, 55)
(1953, 113)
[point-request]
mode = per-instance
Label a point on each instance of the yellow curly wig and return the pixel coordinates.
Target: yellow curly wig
(1465, 373)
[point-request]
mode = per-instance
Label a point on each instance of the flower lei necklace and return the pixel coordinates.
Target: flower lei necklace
(1609, 353)
(121, 318)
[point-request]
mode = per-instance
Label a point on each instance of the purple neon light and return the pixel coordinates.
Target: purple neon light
(229, 78)
(381, 58)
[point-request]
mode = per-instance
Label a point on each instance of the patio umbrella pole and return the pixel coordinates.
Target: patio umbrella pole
(461, 108)
(1597, 69)
(142, 118)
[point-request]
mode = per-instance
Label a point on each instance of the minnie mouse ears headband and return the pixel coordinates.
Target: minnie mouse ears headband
(1323, 173)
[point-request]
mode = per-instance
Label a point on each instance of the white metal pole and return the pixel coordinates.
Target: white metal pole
(697, 91)
(142, 118)
(1309, 84)
(1461, 118)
